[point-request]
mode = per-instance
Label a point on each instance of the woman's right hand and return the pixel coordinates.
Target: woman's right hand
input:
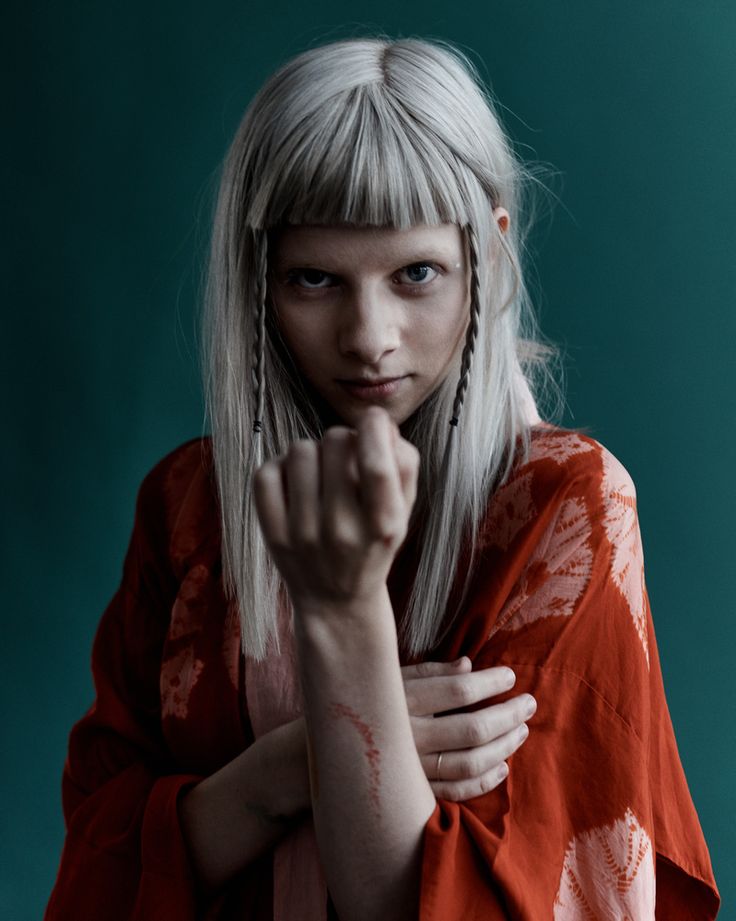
(473, 745)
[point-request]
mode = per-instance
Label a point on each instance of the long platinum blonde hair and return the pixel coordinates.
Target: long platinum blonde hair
(383, 132)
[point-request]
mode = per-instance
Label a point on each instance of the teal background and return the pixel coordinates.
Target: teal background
(119, 117)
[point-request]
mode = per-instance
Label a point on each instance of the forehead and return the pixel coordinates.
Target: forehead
(344, 241)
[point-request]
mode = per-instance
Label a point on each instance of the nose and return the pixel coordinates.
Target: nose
(369, 325)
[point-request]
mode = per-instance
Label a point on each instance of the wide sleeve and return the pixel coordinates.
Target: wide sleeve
(595, 819)
(124, 856)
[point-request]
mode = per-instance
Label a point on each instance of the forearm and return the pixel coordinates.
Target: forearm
(370, 797)
(242, 810)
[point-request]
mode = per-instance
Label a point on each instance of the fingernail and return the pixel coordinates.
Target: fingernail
(509, 678)
(458, 662)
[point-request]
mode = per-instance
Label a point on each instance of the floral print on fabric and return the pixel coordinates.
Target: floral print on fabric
(512, 509)
(608, 875)
(180, 669)
(179, 674)
(559, 448)
(622, 528)
(557, 572)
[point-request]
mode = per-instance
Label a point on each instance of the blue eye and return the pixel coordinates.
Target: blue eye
(418, 273)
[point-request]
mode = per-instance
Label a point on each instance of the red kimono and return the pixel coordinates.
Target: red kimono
(594, 822)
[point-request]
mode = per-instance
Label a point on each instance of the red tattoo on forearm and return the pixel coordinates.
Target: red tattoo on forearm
(372, 753)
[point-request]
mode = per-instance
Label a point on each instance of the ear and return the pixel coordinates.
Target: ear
(501, 216)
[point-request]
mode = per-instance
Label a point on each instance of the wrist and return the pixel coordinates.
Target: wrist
(282, 761)
(354, 613)
(336, 645)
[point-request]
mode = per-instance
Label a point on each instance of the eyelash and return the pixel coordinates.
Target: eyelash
(293, 274)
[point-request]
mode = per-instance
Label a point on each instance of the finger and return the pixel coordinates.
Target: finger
(452, 692)
(460, 791)
(380, 487)
(473, 763)
(268, 495)
(301, 468)
(470, 730)
(342, 516)
(432, 669)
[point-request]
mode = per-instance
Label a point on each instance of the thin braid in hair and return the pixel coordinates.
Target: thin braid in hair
(261, 261)
(472, 332)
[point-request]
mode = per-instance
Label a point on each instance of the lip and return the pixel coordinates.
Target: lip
(380, 388)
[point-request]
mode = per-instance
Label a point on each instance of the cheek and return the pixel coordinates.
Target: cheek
(296, 329)
(444, 334)
(305, 341)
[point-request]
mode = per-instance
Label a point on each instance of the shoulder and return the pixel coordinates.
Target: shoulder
(562, 539)
(566, 460)
(176, 505)
(566, 476)
(171, 478)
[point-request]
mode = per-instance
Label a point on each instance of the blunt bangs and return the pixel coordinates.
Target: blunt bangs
(362, 160)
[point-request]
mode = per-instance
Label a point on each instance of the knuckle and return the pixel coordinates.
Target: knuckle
(461, 693)
(339, 534)
(266, 470)
(421, 670)
(475, 765)
(375, 471)
(411, 699)
(301, 450)
(477, 732)
(336, 434)
(381, 527)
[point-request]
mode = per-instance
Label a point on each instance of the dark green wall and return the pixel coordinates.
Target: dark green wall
(120, 115)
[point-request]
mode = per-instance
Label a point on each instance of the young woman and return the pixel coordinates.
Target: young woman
(316, 685)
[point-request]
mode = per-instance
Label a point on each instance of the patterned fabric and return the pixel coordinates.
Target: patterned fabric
(595, 820)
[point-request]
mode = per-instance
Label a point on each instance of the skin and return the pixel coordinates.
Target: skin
(370, 302)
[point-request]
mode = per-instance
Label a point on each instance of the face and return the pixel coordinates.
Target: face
(357, 304)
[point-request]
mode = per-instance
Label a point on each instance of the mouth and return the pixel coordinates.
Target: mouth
(372, 389)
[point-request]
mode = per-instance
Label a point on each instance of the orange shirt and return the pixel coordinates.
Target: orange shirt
(595, 820)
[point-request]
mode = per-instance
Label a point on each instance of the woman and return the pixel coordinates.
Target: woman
(339, 612)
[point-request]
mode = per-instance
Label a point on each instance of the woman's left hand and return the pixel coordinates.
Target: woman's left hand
(334, 513)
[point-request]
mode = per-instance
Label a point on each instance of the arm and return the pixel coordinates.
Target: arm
(596, 809)
(242, 810)
(370, 796)
(585, 793)
(123, 851)
(334, 552)
(126, 848)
